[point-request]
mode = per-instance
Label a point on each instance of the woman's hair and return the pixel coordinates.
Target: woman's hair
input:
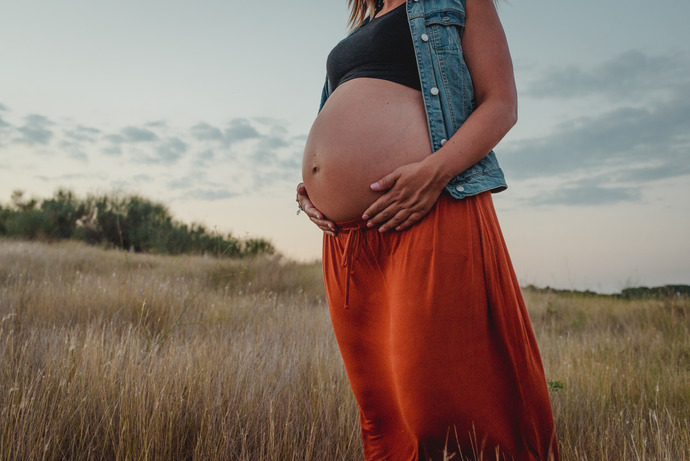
(360, 9)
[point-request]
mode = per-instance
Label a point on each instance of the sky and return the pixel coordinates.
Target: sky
(205, 107)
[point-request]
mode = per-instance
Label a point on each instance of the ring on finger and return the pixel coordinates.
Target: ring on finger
(299, 205)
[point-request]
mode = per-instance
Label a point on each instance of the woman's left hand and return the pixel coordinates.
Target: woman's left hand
(411, 191)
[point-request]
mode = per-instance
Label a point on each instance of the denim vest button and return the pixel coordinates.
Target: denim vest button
(434, 91)
(443, 142)
(459, 188)
(425, 38)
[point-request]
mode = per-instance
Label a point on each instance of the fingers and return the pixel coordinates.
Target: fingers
(313, 213)
(383, 209)
(395, 222)
(389, 213)
(317, 218)
(413, 218)
(386, 182)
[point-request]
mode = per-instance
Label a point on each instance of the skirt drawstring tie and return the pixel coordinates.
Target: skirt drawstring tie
(353, 247)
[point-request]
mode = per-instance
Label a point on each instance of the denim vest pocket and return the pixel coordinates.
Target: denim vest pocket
(445, 29)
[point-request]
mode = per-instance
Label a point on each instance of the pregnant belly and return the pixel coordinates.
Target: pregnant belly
(367, 128)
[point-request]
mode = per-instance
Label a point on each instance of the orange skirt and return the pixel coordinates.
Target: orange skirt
(435, 338)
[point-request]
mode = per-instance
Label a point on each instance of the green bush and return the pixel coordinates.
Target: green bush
(30, 224)
(126, 222)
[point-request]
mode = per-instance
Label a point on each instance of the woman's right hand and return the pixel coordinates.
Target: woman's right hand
(315, 215)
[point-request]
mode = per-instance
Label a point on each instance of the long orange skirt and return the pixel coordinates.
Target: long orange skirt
(435, 338)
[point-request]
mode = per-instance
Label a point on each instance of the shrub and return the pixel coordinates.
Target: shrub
(126, 222)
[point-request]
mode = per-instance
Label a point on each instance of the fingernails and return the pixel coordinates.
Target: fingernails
(365, 217)
(374, 186)
(332, 234)
(332, 227)
(370, 224)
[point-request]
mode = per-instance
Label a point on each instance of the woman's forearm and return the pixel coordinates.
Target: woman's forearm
(488, 59)
(480, 133)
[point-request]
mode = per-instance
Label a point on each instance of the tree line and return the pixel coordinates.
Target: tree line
(128, 222)
(642, 292)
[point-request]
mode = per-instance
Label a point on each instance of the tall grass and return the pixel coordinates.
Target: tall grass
(114, 355)
(625, 371)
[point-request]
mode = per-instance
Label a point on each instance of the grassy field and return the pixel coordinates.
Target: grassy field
(113, 355)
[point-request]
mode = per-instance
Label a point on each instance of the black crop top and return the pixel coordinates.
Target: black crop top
(381, 48)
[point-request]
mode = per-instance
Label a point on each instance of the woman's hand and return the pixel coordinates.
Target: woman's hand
(411, 191)
(314, 215)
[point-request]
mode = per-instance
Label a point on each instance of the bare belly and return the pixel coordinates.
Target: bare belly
(367, 128)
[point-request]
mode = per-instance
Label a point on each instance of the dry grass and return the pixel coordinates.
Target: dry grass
(110, 355)
(625, 367)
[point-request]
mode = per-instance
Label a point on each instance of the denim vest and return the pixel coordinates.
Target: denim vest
(436, 27)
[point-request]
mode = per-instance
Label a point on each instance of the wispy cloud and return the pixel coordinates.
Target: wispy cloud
(204, 161)
(5, 131)
(239, 129)
(644, 136)
(621, 138)
(210, 194)
(136, 134)
(35, 130)
(632, 74)
(587, 192)
(82, 133)
(160, 124)
(205, 132)
(74, 150)
(170, 150)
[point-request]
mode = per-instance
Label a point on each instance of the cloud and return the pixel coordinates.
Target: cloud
(217, 161)
(203, 159)
(5, 130)
(82, 133)
(629, 143)
(157, 124)
(239, 129)
(619, 138)
(587, 192)
(72, 177)
(171, 149)
(189, 180)
(141, 178)
(135, 134)
(641, 137)
(113, 148)
(205, 132)
(35, 130)
(293, 163)
(632, 74)
(3, 107)
(206, 155)
(74, 150)
(210, 194)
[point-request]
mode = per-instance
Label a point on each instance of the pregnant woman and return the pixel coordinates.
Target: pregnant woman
(398, 172)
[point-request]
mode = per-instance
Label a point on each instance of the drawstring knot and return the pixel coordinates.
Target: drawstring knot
(353, 247)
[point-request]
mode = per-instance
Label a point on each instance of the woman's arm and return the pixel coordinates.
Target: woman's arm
(413, 189)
